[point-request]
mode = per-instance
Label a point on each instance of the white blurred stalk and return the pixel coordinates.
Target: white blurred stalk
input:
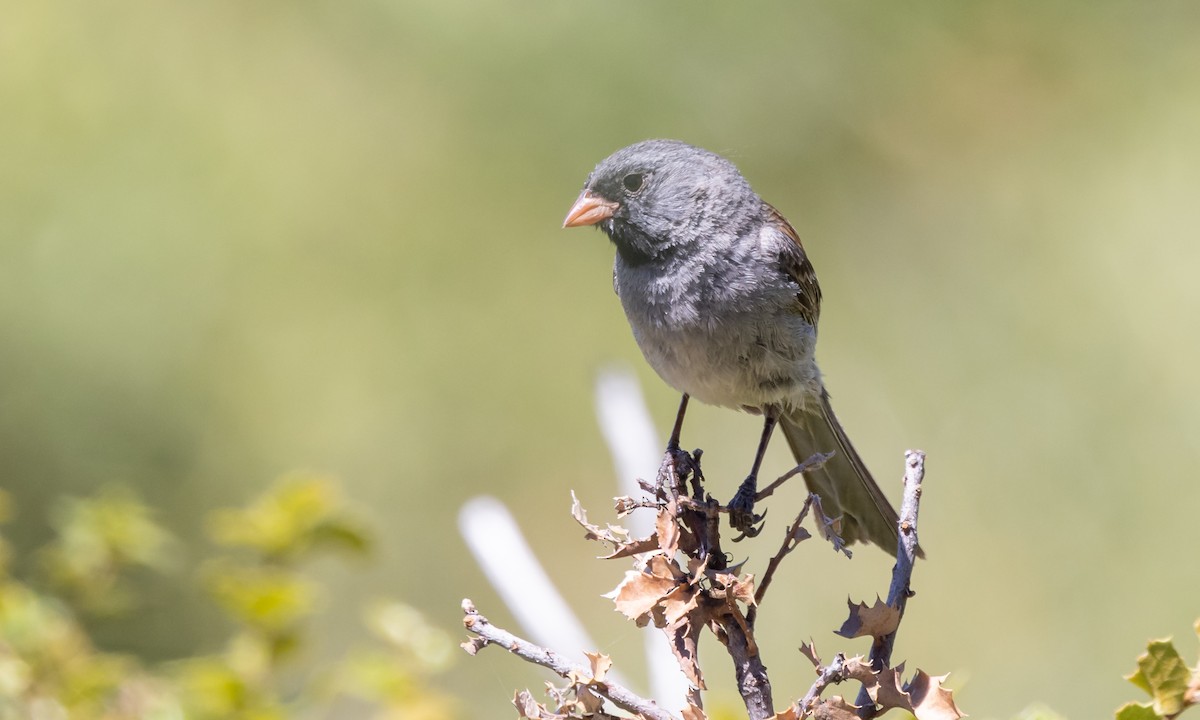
(509, 564)
(637, 453)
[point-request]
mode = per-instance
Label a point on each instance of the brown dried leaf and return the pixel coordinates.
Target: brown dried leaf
(559, 695)
(682, 600)
(930, 700)
(888, 691)
(600, 664)
(809, 650)
(474, 645)
(829, 528)
(835, 708)
(526, 706)
(633, 547)
(691, 712)
(639, 592)
(878, 620)
(741, 589)
(591, 702)
(791, 713)
(684, 639)
(614, 535)
(667, 530)
(624, 505)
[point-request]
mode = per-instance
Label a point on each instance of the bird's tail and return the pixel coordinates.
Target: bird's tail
(843, 482)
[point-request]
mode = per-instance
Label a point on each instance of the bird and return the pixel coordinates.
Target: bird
(724, 304)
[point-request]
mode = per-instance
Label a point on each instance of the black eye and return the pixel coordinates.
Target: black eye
(633, 182)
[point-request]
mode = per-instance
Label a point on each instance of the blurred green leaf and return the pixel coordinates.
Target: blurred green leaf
(1137, 711)
(98, 540)
(301, 514)
(1164, 675)
(1038, 712)
(269, 599)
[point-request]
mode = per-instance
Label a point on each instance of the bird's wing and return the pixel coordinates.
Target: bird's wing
(794, 262)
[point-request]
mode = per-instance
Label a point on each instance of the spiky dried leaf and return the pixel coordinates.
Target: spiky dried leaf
(691, 712)
(600, 664)
(835, 708)
(790, 713)
(526, 706)
(877, 621)
(930, 700)
(682, 600)
(474, 645)
(590, 702)
(639, 592)
(809, 650)
(667, 531)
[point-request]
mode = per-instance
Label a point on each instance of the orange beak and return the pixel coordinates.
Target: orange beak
(589, 209)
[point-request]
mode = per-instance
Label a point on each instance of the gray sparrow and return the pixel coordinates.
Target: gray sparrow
(724, 303)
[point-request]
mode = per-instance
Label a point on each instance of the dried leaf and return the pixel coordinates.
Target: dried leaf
(877, 621)
(790, 713)
(665, 567)
(691, 712)
(591, 702)
(667, 530)
(682, 600)
(888, 691)
(614, 535)
(633, 547)
(684, 639)
(474, 645)
(835, 708)
(600, 664)
(742, 589)
(526, 706)
(639, 592)
(809, 650)
(624, 505)
(931, 701)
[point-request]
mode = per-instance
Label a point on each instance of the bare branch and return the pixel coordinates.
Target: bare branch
(489, 634)
(833, 673)
(795, 535)
(906, 554)
(813, 462)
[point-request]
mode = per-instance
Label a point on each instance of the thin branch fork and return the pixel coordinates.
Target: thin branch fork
(487, 633)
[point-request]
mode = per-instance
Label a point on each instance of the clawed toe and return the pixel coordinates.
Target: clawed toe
(741, 511)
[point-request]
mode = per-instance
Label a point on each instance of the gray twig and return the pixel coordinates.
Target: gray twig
(906, 554)
(834, 672)
(795, 534)
(488, 633)
(812, 462)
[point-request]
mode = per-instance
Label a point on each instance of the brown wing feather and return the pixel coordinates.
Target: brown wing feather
(794, 262)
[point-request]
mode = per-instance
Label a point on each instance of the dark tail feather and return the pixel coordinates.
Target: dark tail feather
(844, 483)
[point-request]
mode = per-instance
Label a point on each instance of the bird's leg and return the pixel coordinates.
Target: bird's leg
(741, 507)
(677, 464)
(673, 441)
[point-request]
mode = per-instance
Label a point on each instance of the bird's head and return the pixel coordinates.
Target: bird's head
(660, 196)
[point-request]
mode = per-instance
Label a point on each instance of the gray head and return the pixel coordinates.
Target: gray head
(658, 196)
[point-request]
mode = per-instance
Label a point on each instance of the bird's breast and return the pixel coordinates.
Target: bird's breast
(726, 338)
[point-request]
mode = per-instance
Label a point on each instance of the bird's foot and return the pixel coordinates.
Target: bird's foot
(741, 510)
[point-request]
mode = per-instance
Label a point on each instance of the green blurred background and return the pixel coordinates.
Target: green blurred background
(238, 239)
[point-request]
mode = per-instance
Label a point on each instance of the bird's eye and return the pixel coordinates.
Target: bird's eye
(633, 182)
